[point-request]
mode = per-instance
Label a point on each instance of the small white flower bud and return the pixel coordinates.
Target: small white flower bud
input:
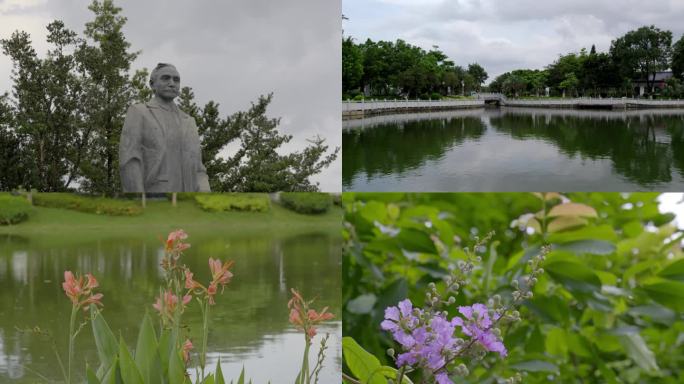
(390, 352)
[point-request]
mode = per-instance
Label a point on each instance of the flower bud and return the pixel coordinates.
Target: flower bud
(514, 283)
(390, 352)
(431, 285)
(478, 259)
(541, 271)
(451, 300)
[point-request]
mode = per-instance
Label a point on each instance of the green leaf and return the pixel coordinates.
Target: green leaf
(674, 271)
(391, 373)
(563, 223)
(535, 366)
(556, 342)
(594, 247)
(105, 341)
(241, 380)
(415, 241)
(362, 304)
(218, 375)
(91, 377)
(113, 375)
(147, 352)
(572, 209)
(669, 293)
(601, 232)
(574, 276)
(176, 368)
(361, 363)
(638, 351)
(129, 372)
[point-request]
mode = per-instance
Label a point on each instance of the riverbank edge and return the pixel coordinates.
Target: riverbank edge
(360, 110)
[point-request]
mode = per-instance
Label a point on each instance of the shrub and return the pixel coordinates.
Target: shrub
(218, 202)
(87, 204)
(436, 96)
(306, 202)
(359, 97)
(13, 209)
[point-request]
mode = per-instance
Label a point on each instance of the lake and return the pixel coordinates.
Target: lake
(515, 149)
(248, 325)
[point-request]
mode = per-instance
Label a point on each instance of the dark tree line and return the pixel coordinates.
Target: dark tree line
(399, 69)
(60, 125)
(636, 56)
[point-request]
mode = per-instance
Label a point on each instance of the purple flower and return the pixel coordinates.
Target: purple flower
(443, 378)
(477, 325)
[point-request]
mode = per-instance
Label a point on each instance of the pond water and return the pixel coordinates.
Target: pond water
(515, 149)
(248, 327)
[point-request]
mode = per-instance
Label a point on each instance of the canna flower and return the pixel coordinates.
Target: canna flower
(167, 303)
(79, 290)
(174, 246)
(304, 318)
(190, 283)
(219, 272)
(187, 346)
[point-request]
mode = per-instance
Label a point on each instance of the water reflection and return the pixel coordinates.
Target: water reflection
(249, 323)
(516, 149)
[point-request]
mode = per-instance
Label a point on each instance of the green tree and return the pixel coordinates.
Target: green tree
(104, 62)
(678, 59)
(256, 166)
(478, 73)
(643, 52)
(46, 95)
(352, 65)
(569, 84)
(10, 149)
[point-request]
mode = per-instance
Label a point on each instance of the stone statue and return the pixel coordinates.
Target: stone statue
(159, 150)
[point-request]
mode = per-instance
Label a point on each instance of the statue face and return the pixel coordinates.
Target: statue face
(167, 83)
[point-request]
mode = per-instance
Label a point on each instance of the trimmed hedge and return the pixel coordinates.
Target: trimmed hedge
(13, 209)
(219, 202)
(88, 204)
(306, 202)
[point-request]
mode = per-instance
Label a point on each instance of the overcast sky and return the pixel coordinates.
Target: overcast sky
(227, 51)
(503, 35)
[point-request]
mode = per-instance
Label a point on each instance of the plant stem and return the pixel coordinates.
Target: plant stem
(400, 377)
(205, 334)
(72, 324)
(304, 374)
(350, 379)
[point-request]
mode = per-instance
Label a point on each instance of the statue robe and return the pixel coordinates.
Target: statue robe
(159, 151)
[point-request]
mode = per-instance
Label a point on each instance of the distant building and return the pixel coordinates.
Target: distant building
(641, 85)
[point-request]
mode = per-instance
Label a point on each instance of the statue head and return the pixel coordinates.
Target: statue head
(165, 81)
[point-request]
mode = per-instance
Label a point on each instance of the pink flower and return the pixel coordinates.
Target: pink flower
(304, 318)
(79, 290)
(190, 283)
(166, 304)
(187, 346)
(174, 242)
(220, 273)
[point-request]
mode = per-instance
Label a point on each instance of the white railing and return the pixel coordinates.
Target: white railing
(377, 105)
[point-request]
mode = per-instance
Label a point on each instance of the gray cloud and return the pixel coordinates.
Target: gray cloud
(227, 51)
(511, 34)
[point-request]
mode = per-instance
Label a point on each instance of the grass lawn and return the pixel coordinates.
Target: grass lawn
(159, 218)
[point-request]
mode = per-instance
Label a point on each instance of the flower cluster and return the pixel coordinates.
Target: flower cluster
(220, 276)
(174, 247)
(305, 318)
(167, 302)
(80, 290)
(433, 343)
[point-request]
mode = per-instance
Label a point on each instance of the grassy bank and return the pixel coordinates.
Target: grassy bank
(159, 218)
